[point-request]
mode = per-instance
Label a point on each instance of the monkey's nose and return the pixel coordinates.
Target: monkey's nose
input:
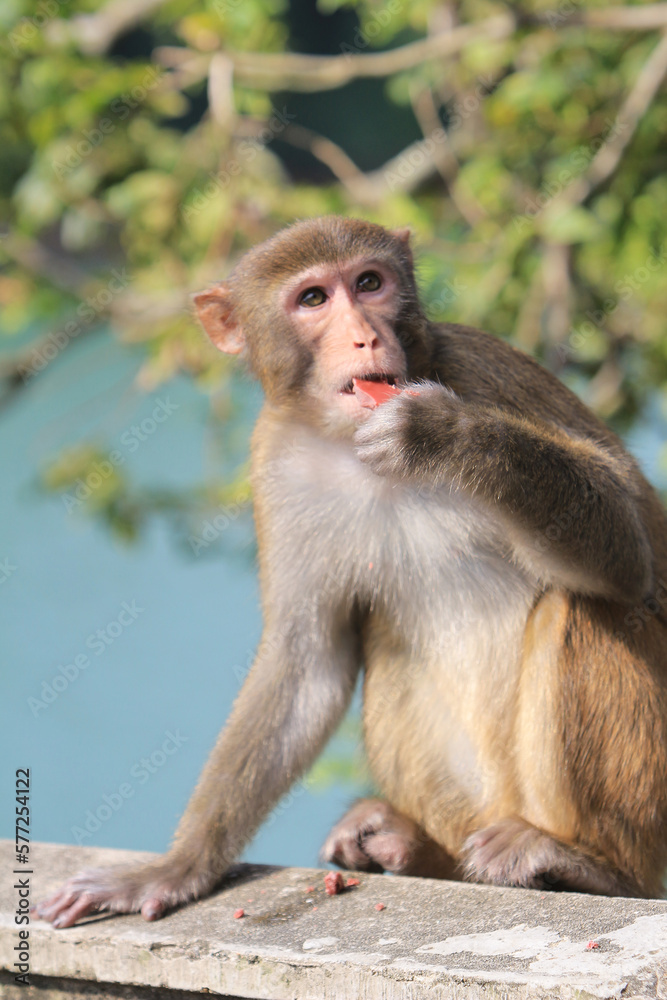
(367, 341)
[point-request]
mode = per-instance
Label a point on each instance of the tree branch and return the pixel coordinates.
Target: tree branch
(37, 259)
(354, 180)
(95, 33)
(444, 160)
(641, 18)
(635, 106)
(293, 71)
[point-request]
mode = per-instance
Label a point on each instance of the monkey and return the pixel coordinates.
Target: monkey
(480, 547)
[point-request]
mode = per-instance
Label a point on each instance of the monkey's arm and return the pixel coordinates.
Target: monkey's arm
(572, 507)
(295, 694)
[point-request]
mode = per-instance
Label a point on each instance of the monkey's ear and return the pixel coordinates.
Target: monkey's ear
(403, 234)
(215, 310)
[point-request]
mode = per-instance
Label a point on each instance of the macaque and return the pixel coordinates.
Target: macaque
(481, 546)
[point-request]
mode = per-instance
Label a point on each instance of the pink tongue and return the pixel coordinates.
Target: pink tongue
(372, 394)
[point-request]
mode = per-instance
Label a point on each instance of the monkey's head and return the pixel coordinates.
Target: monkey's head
(321, 303)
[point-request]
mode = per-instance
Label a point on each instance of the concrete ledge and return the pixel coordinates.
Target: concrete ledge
(440, 940)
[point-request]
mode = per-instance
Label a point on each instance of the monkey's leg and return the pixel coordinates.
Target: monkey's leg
(374, 837)
(513, 852)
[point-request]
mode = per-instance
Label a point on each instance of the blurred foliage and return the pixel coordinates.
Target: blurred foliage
(122, 191)
(344, 762)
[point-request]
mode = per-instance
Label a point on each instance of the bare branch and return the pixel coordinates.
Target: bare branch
(293, 71)
(95, 33)
(37, 259)
(221, 91)
(558, 291)
(444, 160)
(354, 180)
(641, 18)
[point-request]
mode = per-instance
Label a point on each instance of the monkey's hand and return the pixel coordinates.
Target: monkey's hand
(150, 889)
(407, 436)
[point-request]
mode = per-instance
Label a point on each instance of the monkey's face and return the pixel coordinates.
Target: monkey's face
(343, 316)
(318, 305)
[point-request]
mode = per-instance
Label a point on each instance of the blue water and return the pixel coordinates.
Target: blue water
(171, 665)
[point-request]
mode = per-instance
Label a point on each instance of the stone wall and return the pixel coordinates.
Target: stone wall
(441, 940)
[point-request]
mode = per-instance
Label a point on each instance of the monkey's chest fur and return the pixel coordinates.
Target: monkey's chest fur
(443, 610)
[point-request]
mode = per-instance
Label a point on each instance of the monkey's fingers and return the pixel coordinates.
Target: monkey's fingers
(48, 908)
(81, 907)
(90, 891)
(345, 850)
(68, 904)
(153, 908)
(391, 851)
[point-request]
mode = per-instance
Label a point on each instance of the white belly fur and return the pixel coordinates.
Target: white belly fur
(446, 601)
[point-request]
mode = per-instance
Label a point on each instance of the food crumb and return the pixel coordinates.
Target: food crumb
(379, 906)
(592, 946)
(333, 883)
(310, 888)
(238, 914)
(352, 881)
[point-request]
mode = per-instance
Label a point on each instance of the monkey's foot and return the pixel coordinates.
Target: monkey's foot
(149, 889)
(514, 853)
(374, 837)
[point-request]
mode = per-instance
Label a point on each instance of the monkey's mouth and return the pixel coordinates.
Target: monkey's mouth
(348, 388)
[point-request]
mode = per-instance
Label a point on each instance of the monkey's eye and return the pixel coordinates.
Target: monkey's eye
(369, 281)
(312, 297)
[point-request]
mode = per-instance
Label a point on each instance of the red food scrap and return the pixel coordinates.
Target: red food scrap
(379, 906)
(352, 881)
(333, 883)
(238, 914)
(592, 946)
(310, 888)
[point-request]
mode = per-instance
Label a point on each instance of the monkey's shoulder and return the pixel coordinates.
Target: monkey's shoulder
(482, 368)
